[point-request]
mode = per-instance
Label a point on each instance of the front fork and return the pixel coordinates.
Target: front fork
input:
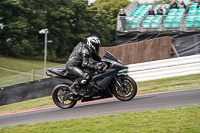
(119, 83)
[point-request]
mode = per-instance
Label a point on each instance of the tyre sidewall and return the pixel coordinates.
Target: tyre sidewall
(134, 89)
(54, 95)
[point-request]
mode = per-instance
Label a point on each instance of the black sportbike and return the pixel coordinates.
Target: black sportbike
(112, 80)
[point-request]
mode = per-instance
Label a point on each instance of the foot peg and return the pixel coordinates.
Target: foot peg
(73, 91)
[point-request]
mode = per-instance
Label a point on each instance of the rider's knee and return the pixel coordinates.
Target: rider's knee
(86, 76)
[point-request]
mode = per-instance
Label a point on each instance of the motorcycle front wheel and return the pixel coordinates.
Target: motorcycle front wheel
(62, 97)
(125, 88)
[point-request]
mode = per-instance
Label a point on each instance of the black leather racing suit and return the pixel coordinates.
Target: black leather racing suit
(79, 59)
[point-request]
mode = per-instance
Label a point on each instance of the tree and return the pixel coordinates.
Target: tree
(111, 9)
(68, 22)
(16, 27)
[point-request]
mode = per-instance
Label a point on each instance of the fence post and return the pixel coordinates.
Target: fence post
(32, 74)
(176, 52)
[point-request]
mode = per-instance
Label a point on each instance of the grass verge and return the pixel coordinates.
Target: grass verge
(180, 120)
(5, 73)
(22, 64)
(8, 78)
(168, 84)
(21, 78)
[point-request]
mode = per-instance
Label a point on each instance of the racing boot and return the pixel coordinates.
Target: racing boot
(74, 87)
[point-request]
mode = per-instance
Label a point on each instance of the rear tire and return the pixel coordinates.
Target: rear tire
(129, 88)
(61, 97)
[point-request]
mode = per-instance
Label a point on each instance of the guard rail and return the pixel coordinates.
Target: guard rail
(165, 68)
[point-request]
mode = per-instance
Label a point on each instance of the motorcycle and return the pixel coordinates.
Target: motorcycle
(112, 80)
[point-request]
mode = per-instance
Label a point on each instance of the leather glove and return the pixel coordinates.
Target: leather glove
(99, 67)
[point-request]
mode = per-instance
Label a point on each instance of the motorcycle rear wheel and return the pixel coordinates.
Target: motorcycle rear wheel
(128, 88)
(61, 97)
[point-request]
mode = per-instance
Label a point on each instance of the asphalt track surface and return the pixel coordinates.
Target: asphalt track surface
(165, 100)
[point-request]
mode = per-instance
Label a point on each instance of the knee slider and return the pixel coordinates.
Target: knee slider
(86, 76)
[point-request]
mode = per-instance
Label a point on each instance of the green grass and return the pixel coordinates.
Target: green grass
(21, 78)
(5, 73)
(180, 120)
(22, 64)
(8, 78)
(34, 103)
(168, 84)
(15, 79)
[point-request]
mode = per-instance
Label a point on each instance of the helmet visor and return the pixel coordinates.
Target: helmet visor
(96, 45)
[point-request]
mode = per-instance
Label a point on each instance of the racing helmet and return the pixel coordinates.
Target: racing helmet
(94, 43)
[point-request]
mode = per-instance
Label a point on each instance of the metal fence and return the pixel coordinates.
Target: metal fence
(24, 77)
(128, 10)
(131, 8)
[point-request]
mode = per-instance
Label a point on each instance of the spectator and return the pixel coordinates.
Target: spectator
(174, 5)
(151, 11)
(182, 5)
(198, 6)
(163, 6)
(159, 11)
(122, 15)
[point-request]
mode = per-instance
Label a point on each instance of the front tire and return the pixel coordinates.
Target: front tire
(126, 90)
(62, 98)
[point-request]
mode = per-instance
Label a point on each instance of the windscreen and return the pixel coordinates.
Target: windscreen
(110, 56)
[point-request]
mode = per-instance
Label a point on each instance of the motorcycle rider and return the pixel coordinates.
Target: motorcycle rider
(79, 60)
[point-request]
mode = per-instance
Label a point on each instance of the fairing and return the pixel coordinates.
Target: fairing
(110, 56)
